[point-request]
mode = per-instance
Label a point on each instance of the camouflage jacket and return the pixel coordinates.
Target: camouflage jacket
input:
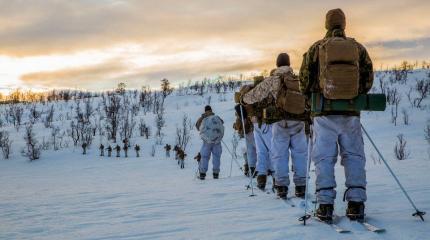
(269, 88)
(310, 69)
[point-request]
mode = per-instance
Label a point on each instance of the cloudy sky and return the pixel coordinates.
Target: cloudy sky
(95, 44)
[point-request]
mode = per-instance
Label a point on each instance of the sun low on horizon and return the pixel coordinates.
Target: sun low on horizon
(94, 45)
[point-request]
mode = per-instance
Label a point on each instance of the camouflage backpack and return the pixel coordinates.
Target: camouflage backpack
(289, 98)
(339, 72)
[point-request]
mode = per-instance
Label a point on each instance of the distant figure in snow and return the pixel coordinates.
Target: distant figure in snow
(125, 147)
(118, 150)
(109, 149)
(167, 148)
(137, 149)
(84, 148)
(181, 156)
(176, 149)
(211, 128)
(102, 150)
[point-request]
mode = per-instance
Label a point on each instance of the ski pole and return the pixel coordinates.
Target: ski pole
(418, 213)
(306, 216)
(246, 145)
(232, 156)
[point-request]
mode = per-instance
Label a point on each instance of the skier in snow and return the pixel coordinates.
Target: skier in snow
(211, 130)
(167, 148)
(84, 148)
(125, 148)
(102, 150)
(329, 61)
(262, 134)
(251, 151)
(181, 156)
(137, 149)
(109, 149)
(288, 128)
(118, 150)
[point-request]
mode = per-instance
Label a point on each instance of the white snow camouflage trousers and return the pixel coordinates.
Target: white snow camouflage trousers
(207, 149)
(263, 142)
(289, 136)
(251, 151)
(331, 134)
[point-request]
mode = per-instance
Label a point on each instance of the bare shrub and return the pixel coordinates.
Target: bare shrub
(400, 149)
(183, 133)
(5, 144)
(405, 116)
(33, 148)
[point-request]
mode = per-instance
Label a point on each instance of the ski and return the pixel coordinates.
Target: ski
(371, 228)
(333, 225)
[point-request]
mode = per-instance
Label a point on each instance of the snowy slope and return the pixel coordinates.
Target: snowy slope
(67, 195)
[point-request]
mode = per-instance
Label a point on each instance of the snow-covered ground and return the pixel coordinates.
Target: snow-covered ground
(67, 195)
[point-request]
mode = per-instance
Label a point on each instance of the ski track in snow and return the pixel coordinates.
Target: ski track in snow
(66, 195)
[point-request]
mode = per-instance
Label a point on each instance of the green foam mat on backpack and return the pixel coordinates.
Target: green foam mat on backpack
(363, 102)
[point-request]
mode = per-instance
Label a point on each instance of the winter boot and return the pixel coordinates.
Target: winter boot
(261, 181)
(282, 191)
(300, 191)
(246, 170)
(325, 212)
(355, 211)
(215, 175)
(202, 176)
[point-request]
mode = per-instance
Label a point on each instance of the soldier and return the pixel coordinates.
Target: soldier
(337, 67)
(125, 148)
(109, 149)
(118, 150)
(102, 150)
(137, 149)
(288, 129)
(211, 130)
(182, 155)
(251, 151)
(167, 148)
(262, 134)
(84, 148)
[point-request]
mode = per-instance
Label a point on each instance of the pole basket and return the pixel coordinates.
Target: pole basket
(304, 218)
(419, 214)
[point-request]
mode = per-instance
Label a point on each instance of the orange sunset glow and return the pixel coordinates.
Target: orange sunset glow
(94, 45)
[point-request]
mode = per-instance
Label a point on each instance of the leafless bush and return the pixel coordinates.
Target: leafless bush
(55, 134)
(15, 114)
(127, 125)
(405, 116)
(49, 117)
(400, 149)
(427, 131)
(33, 148)
(395, 98)
(5, 144)
(423, 89)
(144, 130)
(183, 133)
(34, 115)
(112, 108)
(153, 151)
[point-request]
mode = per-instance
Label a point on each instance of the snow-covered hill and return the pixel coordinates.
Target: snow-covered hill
(67, 195)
